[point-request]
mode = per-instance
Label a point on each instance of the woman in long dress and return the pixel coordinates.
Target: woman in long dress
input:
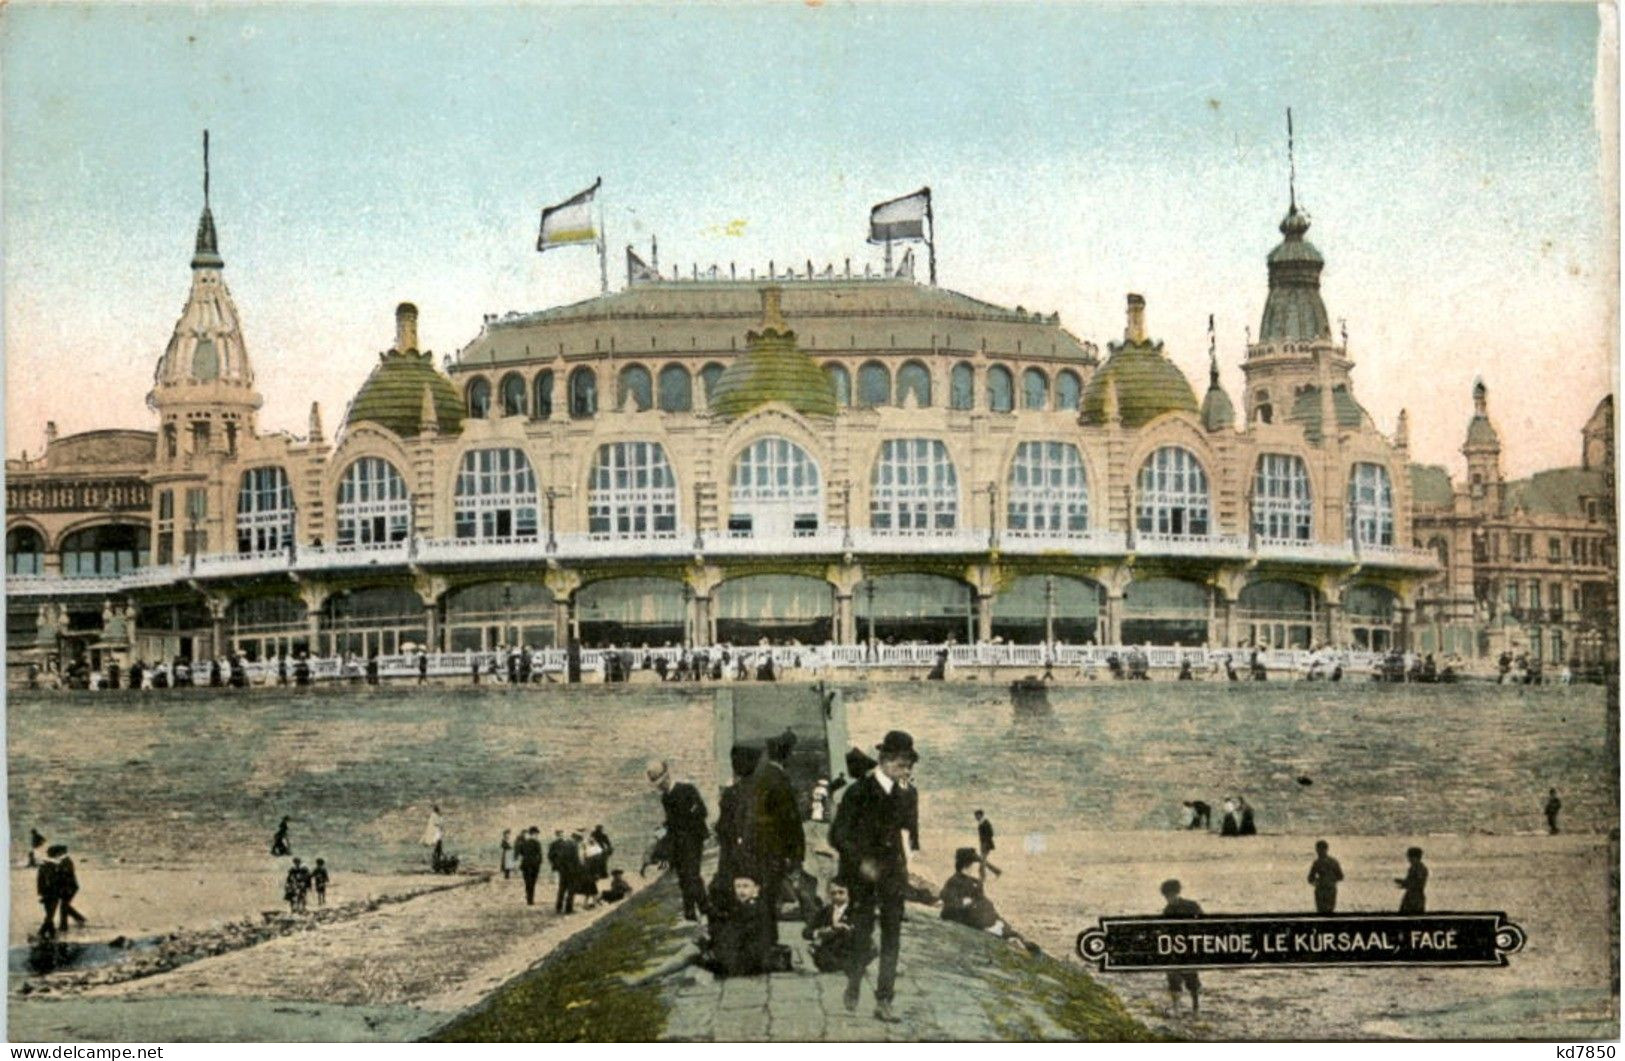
(1231, 827)
(507, 854)
(434, 835)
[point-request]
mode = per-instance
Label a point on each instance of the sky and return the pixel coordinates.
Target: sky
(1449, 157)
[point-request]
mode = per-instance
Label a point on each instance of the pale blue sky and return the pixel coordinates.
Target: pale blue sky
(364, 155)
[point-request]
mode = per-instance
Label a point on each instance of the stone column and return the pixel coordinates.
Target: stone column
(984, 617)
(1334, 624)
(1111, 619)
(217, 623)
(561, 622)
(846, 624)
(700, 621)
(1227, 620)
(431, 624)
(1402, 629)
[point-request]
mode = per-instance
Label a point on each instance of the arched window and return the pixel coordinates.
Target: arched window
(1049, 490)
(264, 511)
(109, 549)
(774, 491)
(1173, 494)
(634, 391)
(1263, 411)
(1371, 505)
(374, 505)
(676, 389)
(631, 492)
(496, 496)
(914, 379)
(841, 380)
(171, 444)
(25, 552)
(479, 397)
(583, 393)
(962, 387)
(513, 394)
(1000, 390)
(1068, 390)
(708, 379)
(1034, 390)
(874, 384)
(542, 406)
(1282, 509)
(914, 488)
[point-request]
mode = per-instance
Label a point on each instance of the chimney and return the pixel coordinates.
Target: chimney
(772, 316)
(406, 327)
(1480, 398)
(1135, 332)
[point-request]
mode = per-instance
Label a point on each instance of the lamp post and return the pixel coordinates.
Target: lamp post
(992, 514)
(846, 514)
(507, 617)
(552, 538)
(869, 592)
(699, 538)
(1049, 609)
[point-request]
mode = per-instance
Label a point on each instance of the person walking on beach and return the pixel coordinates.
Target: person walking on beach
(565, 859)
(434, 835)
(1246, 828)
(1230, 827)
(318, 880)
(45, 886)
(528, 852)
(1186, 979)
(1324, 874)
(505, 859)
(1553, 805)
(67, 886)
(984, 844)
(296, 887)
(1415, 883)
(686, 829)
(35, 842)
(279, 842)
(1201, 814)
(878, 823)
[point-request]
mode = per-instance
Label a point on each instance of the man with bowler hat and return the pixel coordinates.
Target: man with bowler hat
(686, 828)
(529, 852)
(869, 833)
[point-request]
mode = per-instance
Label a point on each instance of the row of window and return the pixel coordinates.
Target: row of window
(672, 391)
(1582, 550)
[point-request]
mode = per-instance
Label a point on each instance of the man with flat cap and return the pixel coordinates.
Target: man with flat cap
(686, 829)
(876, 826)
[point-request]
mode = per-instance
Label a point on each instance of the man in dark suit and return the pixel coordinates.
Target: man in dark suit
(774, 841)
(45, 885)
(1324, 875)
(875, 828)
(561, 853)
(686, 827)
(732, 859)
(529, 852)
(67, 886)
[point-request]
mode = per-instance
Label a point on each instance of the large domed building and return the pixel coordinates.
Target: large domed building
(820, 457)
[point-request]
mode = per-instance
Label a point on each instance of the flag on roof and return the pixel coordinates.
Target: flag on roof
(901, 218)
(570, 222)
(638, 271)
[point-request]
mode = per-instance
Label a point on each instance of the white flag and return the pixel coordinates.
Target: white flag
(900, 219)
(570, 221)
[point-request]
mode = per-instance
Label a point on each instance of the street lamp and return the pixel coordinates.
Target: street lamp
(869, 592)
(699, 538)
(552, 538)
(992, 514)
(846, 514)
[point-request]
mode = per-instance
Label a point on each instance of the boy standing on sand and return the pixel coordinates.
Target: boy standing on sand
(1182, 978)
(318, 880)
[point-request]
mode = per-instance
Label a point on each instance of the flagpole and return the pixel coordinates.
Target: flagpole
(603, 262)
(931, 243)
(888, 253)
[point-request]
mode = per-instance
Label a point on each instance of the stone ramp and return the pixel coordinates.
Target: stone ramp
(954, 984)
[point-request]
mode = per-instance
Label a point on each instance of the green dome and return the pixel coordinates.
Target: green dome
(772, 369)
(392, 397)
(1217, 411)
(1148, 385)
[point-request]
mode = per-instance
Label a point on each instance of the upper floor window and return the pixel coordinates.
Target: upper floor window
(1173, 494)
(774, 491)
(264, 511)
(914, 381)
(1034, 390)
(513, 394)
(1000, 390)
(25, 552)
(841, 380)
(1282, 510)
(109, 549)
(373, 503)
(676, 389)
(583, 393)
(1068, 390)
(634, 392)
(631, 492)
(962, 387)
(479, 397)
(543, 403)
(874, 384)
(1048, 491)
(914, 488)
(495, 496)
(1371, 505)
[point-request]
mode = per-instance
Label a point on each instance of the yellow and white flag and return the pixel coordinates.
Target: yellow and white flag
(570, 222)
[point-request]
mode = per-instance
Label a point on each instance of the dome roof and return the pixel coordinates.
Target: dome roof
(1147, 386)
(1217, 411)
(772, 369)
(393, 395)
(1480, 432)
(1294, 312)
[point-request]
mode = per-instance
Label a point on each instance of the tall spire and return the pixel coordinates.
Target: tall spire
(1294, 311)
(206, 254)
(1291, 164)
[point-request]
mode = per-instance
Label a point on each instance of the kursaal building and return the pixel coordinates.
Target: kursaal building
(810, 457)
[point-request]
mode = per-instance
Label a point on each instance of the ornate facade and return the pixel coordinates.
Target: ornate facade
(811, 457)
